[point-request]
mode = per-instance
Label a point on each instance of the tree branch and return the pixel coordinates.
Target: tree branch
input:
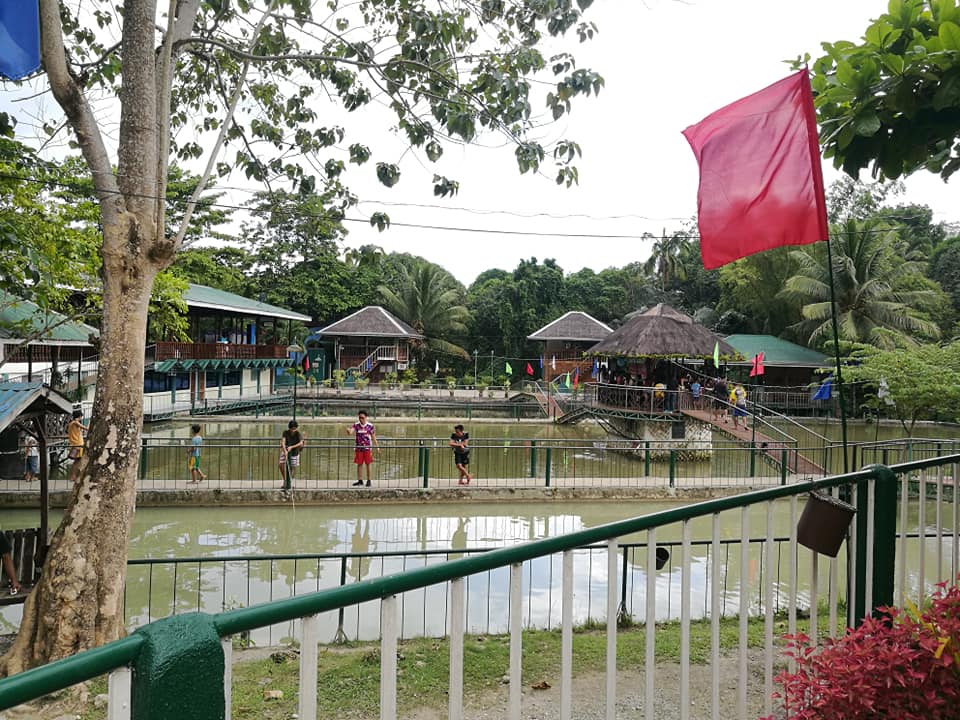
(76, 108)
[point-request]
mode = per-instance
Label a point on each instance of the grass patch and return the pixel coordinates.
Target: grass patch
(349, 675)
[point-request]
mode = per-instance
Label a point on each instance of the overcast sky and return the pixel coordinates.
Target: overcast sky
(667, 64)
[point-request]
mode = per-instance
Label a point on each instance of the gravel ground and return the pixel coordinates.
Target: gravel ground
(589, 695)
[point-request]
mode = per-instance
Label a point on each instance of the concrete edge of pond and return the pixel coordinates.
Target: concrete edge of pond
(237, 498)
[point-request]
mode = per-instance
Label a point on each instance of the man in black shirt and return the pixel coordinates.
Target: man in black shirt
(461, 453)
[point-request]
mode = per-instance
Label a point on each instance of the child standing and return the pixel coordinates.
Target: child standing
(365, 439)
(75, 431)
(32, 452)
(193, 455)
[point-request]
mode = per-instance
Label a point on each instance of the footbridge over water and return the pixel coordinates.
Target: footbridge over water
(624, 409)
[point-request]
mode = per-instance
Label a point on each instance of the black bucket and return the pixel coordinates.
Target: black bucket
(823, 524)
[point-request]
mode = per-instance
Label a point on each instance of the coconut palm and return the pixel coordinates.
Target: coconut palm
(667, 258)
(880, 290)
(429, 299)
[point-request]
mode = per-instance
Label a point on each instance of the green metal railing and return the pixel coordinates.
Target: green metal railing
(188, 655)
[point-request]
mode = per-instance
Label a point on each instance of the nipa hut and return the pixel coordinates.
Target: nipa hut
(565, 340)
(643, 347)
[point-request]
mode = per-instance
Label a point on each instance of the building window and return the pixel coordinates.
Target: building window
(232, 377)
(154, 382)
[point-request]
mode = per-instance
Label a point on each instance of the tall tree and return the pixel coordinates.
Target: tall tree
(666, 261)
(877, 296)
(890, 102)
(430, 300)
(262, 83)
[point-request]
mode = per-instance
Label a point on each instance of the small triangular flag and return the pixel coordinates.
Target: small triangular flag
(529, 369)
(567, 383)
(509, 369)
(716, 355)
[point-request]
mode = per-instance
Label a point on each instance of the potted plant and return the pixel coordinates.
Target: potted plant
(362, 383)
(902, 664)
(504, 382)
(469, 380)
(339, 378)
(483, 382)
(391, 379)
(451, 384)
(408, 378)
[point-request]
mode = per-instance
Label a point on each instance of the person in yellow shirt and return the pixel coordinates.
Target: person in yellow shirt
(75, 431)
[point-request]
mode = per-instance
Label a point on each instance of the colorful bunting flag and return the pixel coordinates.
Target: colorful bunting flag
(436, 367)
(576, 376)
(596, 369)
(825, 391)
(553, 362)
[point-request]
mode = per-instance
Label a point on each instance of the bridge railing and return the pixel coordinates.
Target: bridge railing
(190, 656)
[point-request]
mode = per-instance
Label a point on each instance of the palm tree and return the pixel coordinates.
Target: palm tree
(667, 258)
(876, 284)
(429, 299)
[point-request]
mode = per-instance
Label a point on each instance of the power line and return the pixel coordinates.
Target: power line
(91, 193)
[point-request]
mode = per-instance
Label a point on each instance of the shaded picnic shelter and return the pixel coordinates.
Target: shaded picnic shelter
(652, 346)
(25, 407)
(565, 342)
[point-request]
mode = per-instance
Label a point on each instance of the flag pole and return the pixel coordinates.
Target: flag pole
(836, 352)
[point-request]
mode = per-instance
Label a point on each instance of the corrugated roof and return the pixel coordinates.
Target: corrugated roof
(18, 398)
(662, 331)
(371, 321)
(574, 325)
(20, 319)
(202, 296)
(777, 351)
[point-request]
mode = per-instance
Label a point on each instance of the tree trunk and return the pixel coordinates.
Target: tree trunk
(78, 603)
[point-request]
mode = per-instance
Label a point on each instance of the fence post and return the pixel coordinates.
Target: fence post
(783, 466)
(884, 546)
(181, 658)
(533, 458)
(673, 468)
(549, 463)
(646, 458)
(623, 586)
(143, 458)
(426, 467)
(341, 636)
(420, 459)
(753, 459)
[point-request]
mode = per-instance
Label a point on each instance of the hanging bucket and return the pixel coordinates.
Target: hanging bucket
(823, 524)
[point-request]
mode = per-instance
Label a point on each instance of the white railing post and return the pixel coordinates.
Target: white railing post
(227, 645)
(715, 618)
(389, 630)
(650, 629)
(458, 622)
(119, 691)
(516, 640)
(768, 615)
(871, 502)
(307, 702)
(901, 596)
(744, 611)
(922, 527)
(685, 624)
(566, 638)
(611, 685)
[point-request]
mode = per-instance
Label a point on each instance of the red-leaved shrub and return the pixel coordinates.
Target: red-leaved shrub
(900, 667)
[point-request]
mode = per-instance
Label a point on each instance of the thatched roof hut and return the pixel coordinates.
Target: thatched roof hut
(371, 321)
(574, 326)
(662, 332)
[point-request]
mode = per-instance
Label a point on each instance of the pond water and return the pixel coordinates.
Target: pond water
(219, 540)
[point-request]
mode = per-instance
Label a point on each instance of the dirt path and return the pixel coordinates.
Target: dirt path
(589, 695)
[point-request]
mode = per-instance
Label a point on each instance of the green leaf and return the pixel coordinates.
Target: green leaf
(949, 34)
(846, 74)
(867, 123)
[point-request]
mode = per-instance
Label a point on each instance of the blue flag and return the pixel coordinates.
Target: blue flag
(19, 38)
(825, 391)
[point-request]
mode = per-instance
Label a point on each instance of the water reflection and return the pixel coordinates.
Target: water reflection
(355, 542)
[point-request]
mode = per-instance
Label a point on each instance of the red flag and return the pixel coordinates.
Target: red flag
(761, 184)
(756, 365)
(529, 369)
(306, 363)
(576, 376)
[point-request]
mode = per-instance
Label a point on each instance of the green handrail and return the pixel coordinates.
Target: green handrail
(61, 674)
(87, 665)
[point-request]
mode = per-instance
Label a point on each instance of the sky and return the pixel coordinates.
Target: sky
(667, 64)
